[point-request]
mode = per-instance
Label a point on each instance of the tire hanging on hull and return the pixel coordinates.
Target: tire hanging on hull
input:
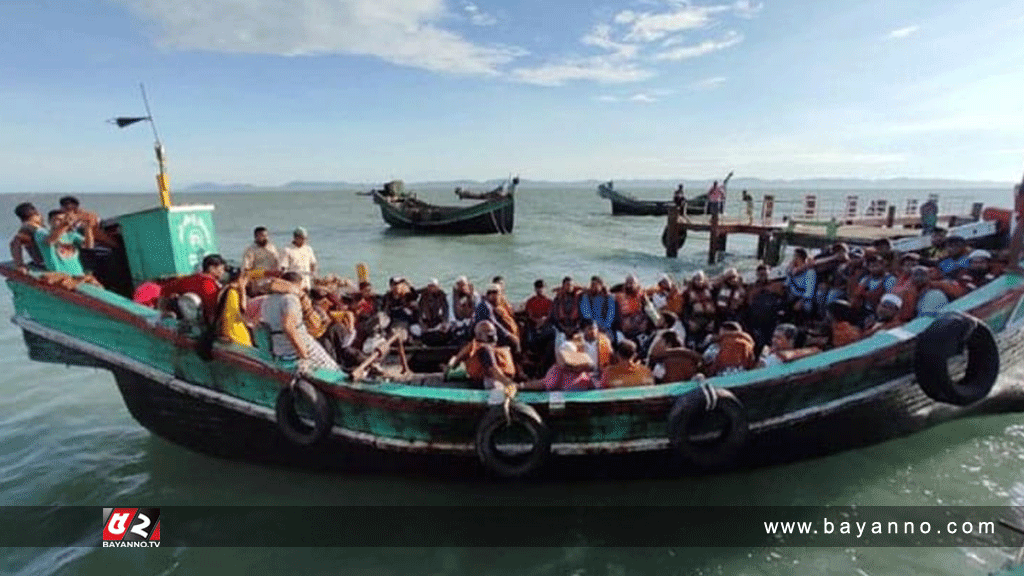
(690, 410)
(291, 424)
(948, 336)
(506, 465)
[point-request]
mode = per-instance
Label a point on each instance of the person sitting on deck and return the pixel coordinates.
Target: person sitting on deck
(730, 296)
(205, 284)
(765, 302)
(666, 296)
(698, 308)
(463, 305)
(904, 287)
(598, 345)
(232, 323)
(801, 283)
(261, 260)
(24, 239)
(486, 361)
(978, 270)
(732, 351)
(886, 316)
(487, 310)
(83, 220)
(630, 304)
(783, 347)
(336, 329)
(598, 305)
(573, 366)
(935, 251)
(59, 245)
(930, 293)
(399, 304)
(539, 336)
(871, 288)
(433, 310)
(670, 361)
(504, 311)
(565, 310)
(625, 370)
(290, 340)
(956, 256)
(842, 329)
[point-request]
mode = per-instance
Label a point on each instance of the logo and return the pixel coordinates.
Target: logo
(131, 527)
(195, 237)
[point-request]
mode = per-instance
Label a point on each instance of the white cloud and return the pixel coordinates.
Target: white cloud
(594, 69)
(649, 27)
(707, 83)
(731, 38)
(477, 17)
(608, 98)
(600, 37)
(746, 8)
(641, 97)
(404, 32)
(903, 32)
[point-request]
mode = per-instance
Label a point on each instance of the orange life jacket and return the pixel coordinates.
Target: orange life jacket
(502, 358)
(735, 350)
(844, 333)
(701, 302)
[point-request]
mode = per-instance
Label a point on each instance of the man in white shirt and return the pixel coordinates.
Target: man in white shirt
(299, 257)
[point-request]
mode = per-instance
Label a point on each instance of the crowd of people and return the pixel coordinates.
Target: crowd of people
(576, 337)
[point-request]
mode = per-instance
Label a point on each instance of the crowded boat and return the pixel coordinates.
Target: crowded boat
(583, 333)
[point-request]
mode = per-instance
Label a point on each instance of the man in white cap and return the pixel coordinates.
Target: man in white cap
(977, 272)
(299, 257)
(886, 316)
(433, 308)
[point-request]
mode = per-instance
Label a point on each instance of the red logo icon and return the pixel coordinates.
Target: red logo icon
(131, 527)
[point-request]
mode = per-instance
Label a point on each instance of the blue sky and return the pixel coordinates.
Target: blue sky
(272, 91)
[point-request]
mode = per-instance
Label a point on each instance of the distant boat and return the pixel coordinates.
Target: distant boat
(624, 204)
(495, 215)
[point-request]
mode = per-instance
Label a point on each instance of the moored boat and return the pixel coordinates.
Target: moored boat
(494, 215)
(627, 205)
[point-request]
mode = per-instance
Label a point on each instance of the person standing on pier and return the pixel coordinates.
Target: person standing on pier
(716, 199)
(748, 200)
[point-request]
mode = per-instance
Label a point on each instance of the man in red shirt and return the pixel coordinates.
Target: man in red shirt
(205, 284)
(538, 307)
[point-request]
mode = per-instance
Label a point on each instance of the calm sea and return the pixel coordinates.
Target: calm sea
(67, 438)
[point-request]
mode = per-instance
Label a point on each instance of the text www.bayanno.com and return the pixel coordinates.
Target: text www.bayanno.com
(860, 529)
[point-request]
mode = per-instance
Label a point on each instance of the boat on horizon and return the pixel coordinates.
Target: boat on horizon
(403, 210)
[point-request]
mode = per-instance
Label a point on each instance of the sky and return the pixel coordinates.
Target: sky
(267, 92)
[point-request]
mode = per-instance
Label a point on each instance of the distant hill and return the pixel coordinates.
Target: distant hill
(749, 183)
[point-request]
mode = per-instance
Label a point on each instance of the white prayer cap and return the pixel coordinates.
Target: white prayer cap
(893, 299)
(980, 254)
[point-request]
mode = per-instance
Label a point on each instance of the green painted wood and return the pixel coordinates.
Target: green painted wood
(168, 241)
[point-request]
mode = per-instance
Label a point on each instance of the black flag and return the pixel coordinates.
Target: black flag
(127, 121)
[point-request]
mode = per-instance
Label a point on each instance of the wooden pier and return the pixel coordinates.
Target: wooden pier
(809, 231)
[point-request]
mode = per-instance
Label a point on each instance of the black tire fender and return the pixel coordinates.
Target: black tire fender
(694, 406)
(947, 336)
(289, 422)
(682, 238)
(513, 466)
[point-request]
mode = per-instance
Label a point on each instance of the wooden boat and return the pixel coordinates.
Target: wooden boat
(242, 402)
(627, 205)
(404, 211)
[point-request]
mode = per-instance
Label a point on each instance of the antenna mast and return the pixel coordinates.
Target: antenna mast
(158, 148)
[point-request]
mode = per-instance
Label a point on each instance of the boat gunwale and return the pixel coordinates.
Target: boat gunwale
(1007, 286)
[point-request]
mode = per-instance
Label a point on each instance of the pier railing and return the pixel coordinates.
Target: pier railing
(774, 209)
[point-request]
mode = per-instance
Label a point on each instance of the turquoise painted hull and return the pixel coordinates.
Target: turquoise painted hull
(856, 395)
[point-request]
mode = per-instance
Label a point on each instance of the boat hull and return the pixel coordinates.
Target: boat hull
(857, 395)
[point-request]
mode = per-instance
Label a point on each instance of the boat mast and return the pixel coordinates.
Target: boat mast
(158, 148)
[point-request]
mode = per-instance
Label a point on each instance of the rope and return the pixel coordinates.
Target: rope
(710, 397)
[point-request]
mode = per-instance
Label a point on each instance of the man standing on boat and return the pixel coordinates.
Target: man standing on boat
(298, 257)
(261, 259)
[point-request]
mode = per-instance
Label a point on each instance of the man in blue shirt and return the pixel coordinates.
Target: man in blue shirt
(956, 256)
(59, 245)
(598, 305)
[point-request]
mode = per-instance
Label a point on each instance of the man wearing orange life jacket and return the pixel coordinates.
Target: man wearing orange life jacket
(630, 301)
(487, 362)
(731, 296)
(734, 350)
(699, 308)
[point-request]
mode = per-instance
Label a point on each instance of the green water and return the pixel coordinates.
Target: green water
(67, 438)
